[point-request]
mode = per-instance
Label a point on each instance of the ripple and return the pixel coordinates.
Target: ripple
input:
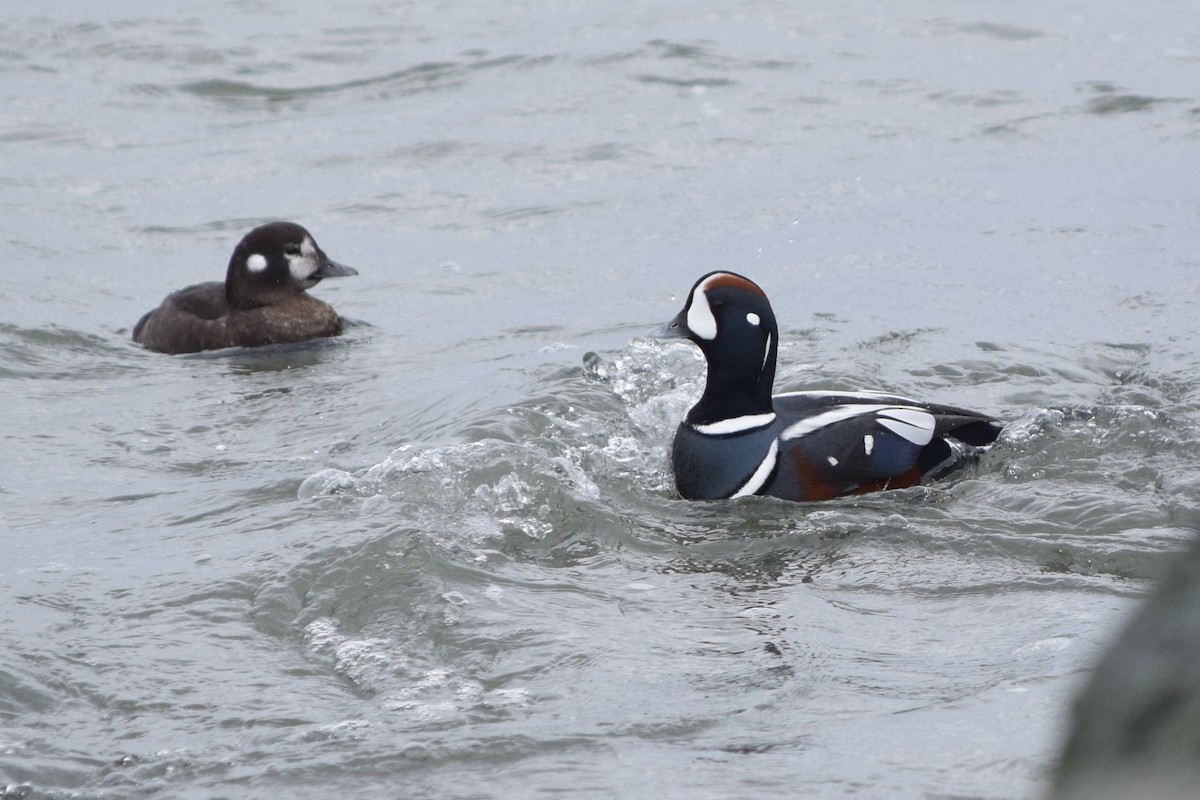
(1123, 104)
(563, 468)
(1010, 33)
(58, 353)
(425, 77)
(686, 83)
(531, 583)
(37, 132)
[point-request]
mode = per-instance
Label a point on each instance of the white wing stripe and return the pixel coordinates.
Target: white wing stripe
(914, 424)
(835, 414)
(759, 478)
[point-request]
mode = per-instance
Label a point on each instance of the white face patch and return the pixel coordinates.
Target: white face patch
(256, 262)
(753, 319)
(304, 265)
(700, 319)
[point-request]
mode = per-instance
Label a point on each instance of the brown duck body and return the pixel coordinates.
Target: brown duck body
(200, 318)
(262, 301)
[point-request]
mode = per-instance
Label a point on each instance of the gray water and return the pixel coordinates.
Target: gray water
(440, 556)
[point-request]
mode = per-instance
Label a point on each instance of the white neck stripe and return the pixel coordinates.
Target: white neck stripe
(735, 424)
(760, 476)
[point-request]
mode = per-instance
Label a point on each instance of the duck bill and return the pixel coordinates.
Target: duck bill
(675, 329)
(332, 269)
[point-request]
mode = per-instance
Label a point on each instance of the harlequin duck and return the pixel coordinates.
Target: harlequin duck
(262, 300)
(738, 440)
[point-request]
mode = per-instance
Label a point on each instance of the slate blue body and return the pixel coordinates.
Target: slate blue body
(699, 476)
(739, 439)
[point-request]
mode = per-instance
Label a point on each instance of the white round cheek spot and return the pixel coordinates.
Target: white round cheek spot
(700, 318)
(256, 263)
(753, 318)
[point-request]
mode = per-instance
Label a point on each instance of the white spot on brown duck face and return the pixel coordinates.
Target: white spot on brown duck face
(303, 264)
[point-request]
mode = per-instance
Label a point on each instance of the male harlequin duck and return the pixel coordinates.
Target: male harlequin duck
(262, 300)
(739, 440)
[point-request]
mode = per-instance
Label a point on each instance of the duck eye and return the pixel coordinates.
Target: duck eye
(291, 249)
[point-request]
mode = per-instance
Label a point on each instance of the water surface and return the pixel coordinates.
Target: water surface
(441, 555)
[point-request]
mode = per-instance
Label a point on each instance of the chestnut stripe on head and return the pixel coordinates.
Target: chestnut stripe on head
(700, 319)
(727, 280)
